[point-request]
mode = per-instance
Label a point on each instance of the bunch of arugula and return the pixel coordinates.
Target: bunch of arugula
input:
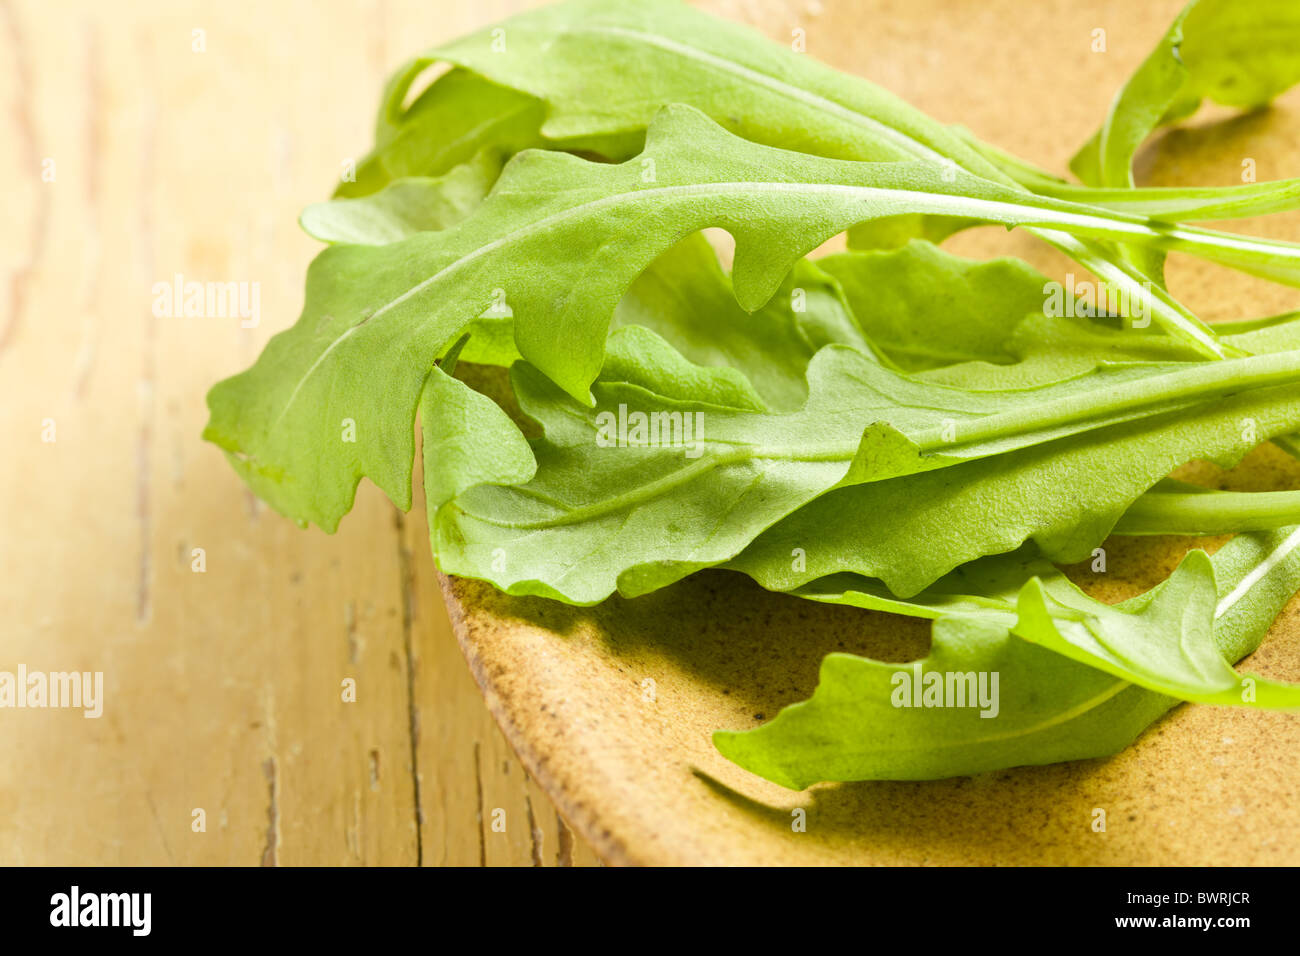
(890, 427)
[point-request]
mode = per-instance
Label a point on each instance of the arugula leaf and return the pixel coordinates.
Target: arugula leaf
(1237, 54)
(1050, 707)
(1168, 203)
(641, 513)
(986, 324)
(456, 118)
(965, 308)
(1066, 496)
(891, 414)
(406, 206)
(867, 300)
(1169, 648)
(666, 52)
(643, 55)
(686, 298)
(1052, 349)
(387, 312)
(892, 232)
(684, 295)
(477, 441)
(1146, 99)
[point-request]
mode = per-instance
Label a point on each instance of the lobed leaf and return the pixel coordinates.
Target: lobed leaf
(638, 514)
(1050, 706)
(1065, 496)
(384, 314)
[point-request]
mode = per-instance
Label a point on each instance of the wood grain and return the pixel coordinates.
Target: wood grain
(223, 689)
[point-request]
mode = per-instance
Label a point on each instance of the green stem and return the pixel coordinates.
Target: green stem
(1194, 383)
(1201, 511)
(1177, 321)
(1267, 258)
(1179, 204)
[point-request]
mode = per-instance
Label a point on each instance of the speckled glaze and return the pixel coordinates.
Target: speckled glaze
(611, 708)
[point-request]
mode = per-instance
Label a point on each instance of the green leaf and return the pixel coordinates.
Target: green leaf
(405, 206)
(985, 325)
(685, 297)
(560, 240)
(1066, 496)
(895, 231)
(640, 358)
(637, 514)
(1050, 707)
(1144, 101)
(640, 56)
(1277, 333)
(1052, 349)
(477, 442)
(1242, 54)
(1169, 647)
(604, 66)
(456, 118)
(1167, 203)
(1237, 54)
(925, 308)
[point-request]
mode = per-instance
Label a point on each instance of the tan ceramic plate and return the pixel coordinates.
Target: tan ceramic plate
(611, 708)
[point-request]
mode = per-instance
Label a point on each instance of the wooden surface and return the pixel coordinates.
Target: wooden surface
(223, 689)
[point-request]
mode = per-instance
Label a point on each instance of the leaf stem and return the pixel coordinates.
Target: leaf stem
(1166, 311)
(1206, 512)
(1198, 382)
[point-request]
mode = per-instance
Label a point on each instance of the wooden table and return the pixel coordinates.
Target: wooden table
(223, 689)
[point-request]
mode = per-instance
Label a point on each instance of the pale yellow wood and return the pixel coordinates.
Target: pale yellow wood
(223, 688)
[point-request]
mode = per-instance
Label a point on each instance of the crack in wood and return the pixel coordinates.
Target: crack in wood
(564, 852)
(535, 832)
(413, 714)
(270, 853)
(478, 793)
